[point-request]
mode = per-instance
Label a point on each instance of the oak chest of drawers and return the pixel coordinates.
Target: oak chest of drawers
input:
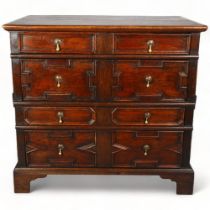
(104, 95)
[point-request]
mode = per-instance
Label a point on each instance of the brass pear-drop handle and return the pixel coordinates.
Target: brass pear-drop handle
(148, 80)
(147, 116)
(150, 45)
(60, 117)
(57, 45)
(60, 149)
(58, 79)
(146, 148)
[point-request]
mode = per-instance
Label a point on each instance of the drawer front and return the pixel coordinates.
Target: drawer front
(147, 149)
(131, 149)
(151, 43)
(91, 80)
(150, 80)
(148, 116)
(51, 42)
(60, 148)
(58, 80)
(59, 116)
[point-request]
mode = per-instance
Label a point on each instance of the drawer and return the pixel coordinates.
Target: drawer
(57, 80)
(147, 149)
(55, 42)
(131, 149)
(60, 148)
(59, 116)
(151, 80)
(148, 116)
(151, 43)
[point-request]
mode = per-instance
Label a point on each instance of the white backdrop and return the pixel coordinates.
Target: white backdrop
(105, 192)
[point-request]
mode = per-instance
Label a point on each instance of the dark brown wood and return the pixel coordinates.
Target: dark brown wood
(16, 71)
(78, 148)
(165, 149)
(103, 116)
(103, 149)
(22, 181)
(36, 72)
(21, 148)
(50, 116)
(183, 177)
(184, 182)
(104, 43)
(163, 44)
(92, 95)
(158, 117)
(104, 23)
(168, 80)
(45, 43)
(107, 56)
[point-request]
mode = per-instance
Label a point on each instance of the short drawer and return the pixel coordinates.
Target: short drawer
(151, 43)
(60, 148)
(147, 149)
(58, 80)
(148, 116)
(59, 116)
(51, 42)
(151, 80)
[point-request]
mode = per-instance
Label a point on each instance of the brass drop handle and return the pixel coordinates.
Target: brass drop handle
(60, 117)
(60, 149)
(57, 45)
(58, 79)
(146, 148)
(147, 115)
(150, 45)
(148, 80)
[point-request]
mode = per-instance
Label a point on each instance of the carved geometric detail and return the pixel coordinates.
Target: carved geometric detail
(176, 148)
(50, 95)
(56, 135)
(79, 148)
(88, 147)
(121, 116)
(151, 63)
(144, 94)
(26, 79)
(147, 134)
(31, 117)
(116, 80)
(145, 163)
(118, 147)
(30, 149)
(183, 80)
(91, 85)
(48, 65)
(159, 141)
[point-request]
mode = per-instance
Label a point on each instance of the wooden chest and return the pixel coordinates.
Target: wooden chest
(104, 95)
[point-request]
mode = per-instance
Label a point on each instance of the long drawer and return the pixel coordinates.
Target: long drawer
(100, 116)
(103, 43)
(82, 148)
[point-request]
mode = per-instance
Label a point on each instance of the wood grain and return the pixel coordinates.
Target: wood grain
(103, 64)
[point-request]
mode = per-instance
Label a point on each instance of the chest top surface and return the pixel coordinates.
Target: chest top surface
(104, 23)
